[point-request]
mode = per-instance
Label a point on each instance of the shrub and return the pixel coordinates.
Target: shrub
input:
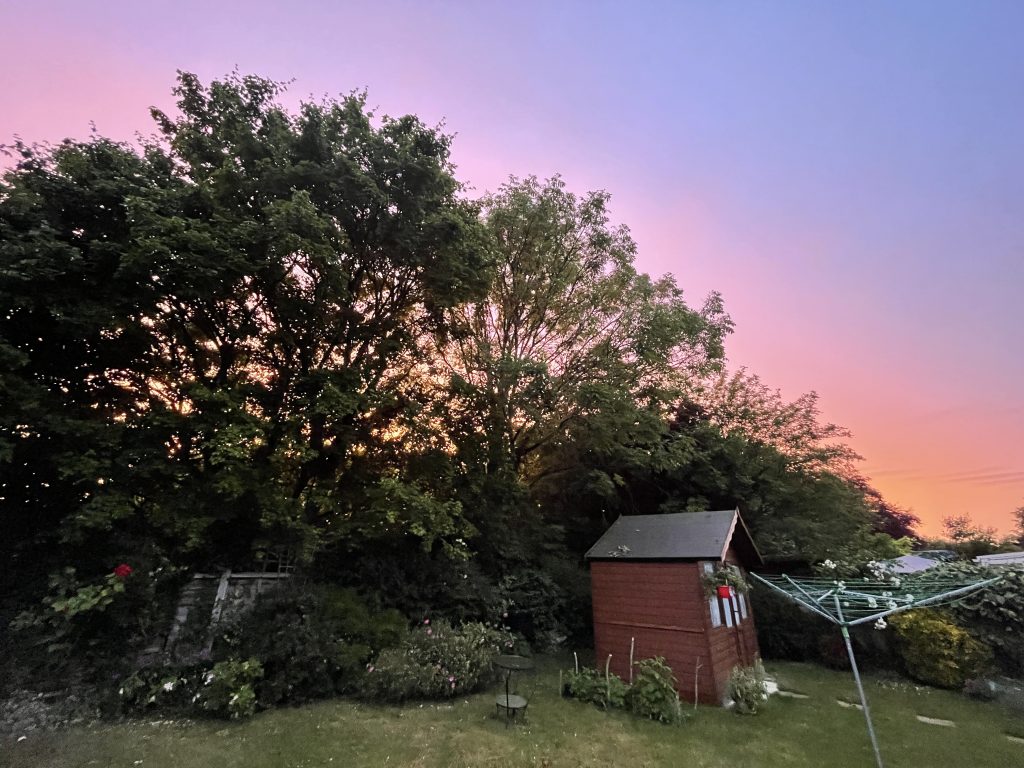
(747, 688)
(228, 689)
(607, 691)
(312, 643)
(168, 689)
(784, 630)
(653, 692)
(936, 651)
(992, 615)
(85, 628)
(225, 690)
(549, 605)
(435, 661)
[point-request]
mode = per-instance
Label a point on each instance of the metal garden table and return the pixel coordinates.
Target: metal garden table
(512, 703)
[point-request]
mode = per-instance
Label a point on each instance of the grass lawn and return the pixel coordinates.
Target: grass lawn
(789, 732)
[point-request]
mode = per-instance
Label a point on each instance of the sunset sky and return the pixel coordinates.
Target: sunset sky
(849, 175)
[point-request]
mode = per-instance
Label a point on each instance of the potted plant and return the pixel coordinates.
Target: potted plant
(723, 581)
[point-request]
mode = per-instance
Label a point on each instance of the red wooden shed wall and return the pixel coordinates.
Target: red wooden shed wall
(661, 605)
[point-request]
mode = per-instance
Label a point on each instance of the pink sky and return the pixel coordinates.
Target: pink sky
(849, 179)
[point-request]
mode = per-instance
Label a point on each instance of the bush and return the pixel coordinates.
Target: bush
(312, 643)
(992, 615)
(590, 685)
(784, 630)
(653, 692)
(86, 628)
(225, 690)
(936, 651)
(549, 605)
(168, 689)
(436, 661)
(747, 688)
(228, 689)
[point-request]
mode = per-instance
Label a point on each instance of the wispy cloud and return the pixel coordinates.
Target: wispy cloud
(984, 476)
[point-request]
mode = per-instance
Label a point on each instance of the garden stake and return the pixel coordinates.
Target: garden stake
(576, 660)
(696, 678)
(631, 641)
(607, 681)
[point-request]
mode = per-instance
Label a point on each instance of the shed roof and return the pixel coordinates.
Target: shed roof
(679, 536)
(1001, 558)
(913, 564)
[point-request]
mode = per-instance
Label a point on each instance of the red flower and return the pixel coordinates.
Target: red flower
(123, 571)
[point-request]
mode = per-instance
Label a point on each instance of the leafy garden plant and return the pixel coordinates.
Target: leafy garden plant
(225, 690)
(653, 692)
(724, 576)
(436, 661)
(747, 688)
(312, 643)
(937, 651)
(603, 689)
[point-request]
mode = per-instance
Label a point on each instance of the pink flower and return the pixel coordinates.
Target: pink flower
(430, 632)
(451, 679)
(453, 686)
(504, 615)
(369, 667)
(426, 621)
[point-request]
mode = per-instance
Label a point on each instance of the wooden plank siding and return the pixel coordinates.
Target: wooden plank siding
(661, 606)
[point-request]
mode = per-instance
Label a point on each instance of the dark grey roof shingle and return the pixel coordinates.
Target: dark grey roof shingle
(679, 536)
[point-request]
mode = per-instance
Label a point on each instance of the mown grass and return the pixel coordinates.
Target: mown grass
(789, 732)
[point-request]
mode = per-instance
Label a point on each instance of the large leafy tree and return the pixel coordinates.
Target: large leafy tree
(570, 339)
(568, 329)
(205, 338)
(740, 403)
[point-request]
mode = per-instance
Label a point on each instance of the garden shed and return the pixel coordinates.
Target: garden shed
(653, 580)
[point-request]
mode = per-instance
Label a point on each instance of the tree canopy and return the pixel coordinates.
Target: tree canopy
(264, 328)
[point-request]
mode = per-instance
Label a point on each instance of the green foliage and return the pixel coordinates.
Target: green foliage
(653, 692)
(605, 690)
(68, 608)
(88, 628)
(784, 630)
(228, 688)
(938, 652)
(436, 661)
(205, 339)
(291, 326)
(747, 688)
(547, 605)
(225, 690)
(312, 643)
(168, 689)
(567, 328)
(994, 615)
(651, 695)
(740, 403)
(724, 576)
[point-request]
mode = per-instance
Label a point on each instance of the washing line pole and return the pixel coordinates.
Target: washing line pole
(856, 677)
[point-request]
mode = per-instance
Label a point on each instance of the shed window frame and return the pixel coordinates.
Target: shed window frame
(714, 605)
